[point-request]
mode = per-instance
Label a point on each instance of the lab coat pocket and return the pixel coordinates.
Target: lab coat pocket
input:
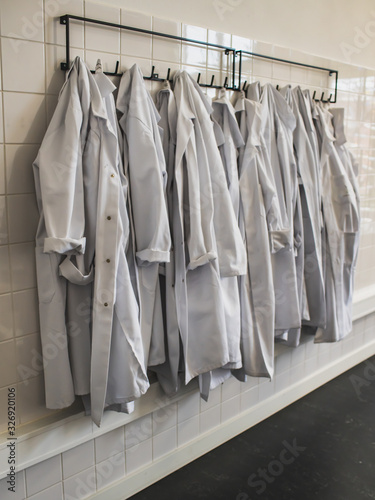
(47, 265)
(344, 204)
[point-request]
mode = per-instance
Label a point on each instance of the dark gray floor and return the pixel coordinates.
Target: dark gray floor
(321, 447)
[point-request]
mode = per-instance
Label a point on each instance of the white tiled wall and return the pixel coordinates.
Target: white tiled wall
(32, 47)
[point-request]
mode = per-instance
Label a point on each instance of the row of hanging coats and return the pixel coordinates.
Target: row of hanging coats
(184, 236)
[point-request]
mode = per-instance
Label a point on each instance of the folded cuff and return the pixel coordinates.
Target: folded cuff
(202, 260)
(147, 256)
(65, 246)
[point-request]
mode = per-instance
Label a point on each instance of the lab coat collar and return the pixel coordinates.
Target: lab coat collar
(338, 125)
(254, 91)
(284, 111)
(105, 85)
(83, 76)
(224, 102)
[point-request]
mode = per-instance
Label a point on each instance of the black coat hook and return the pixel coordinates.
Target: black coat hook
(212, 81)
(168, 73)
(322, 98)
(330, 98)
(314, 94)
(277, 87)
(199, 77)
(244, 85)
(225, 84)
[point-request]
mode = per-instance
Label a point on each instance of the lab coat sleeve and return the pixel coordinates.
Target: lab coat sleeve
(147, 186)
(59, 163)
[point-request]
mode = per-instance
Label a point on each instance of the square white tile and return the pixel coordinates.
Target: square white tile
(164, 418)
(19, 170)
(188, 407)
(230, 408)
(28, 356)
(230, 388)
(266, 389)
(209, 419)
(5, 280)
(214, 399)
(26, 317)
(2, 168)
(249, 398)
(7, 363)
(109, 444)
(311, 365)
(138, 431)
(138, 456)
(187, 430)
(164, 443)
(28, 61)
(6, 326)
(20, 493)
(43, 475)
(23, 266)
(55, 492)
(55, 32)
(298, 355)
(77, 459)
(31, 399)
(24, 117)
(283, 360)
(216, 58)
(282, 381)
(81, 485)
(250, 383)
(164, 49)
(1, 122)
(3, 221)
(133, 43)
(193, 54)
(99, 37)
(23, 217)
(110, 470)
(28, 26)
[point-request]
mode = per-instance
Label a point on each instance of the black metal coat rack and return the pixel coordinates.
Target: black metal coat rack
(65, 20)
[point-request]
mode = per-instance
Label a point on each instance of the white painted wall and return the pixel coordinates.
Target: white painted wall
(342, 30)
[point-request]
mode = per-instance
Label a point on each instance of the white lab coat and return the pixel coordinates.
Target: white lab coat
(229, 139)
(208, 245)
(262, 228)
(145, 168)
(278, 123)
(341, 217)
(81, 239)
(306, 145)
(168, 372)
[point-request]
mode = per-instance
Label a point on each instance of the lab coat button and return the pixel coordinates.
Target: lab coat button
(109, 217)
(108, 260)
(105, 304)
(112, 175)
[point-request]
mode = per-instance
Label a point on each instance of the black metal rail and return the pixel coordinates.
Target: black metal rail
(65, 20)
(277, 59)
